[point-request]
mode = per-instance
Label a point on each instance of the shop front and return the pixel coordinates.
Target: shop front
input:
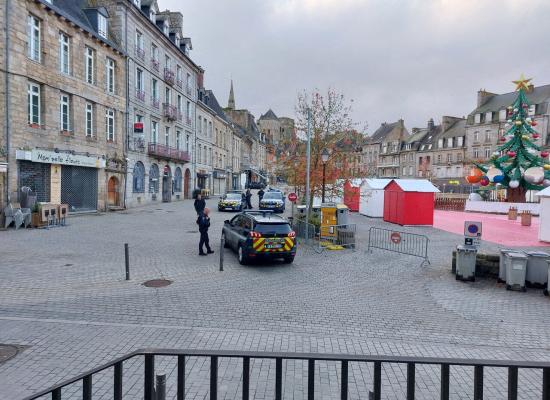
(219, 181)
(61, 177)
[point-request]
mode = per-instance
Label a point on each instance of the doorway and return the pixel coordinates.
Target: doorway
(167, 185)
(112, 191)
(186, 184)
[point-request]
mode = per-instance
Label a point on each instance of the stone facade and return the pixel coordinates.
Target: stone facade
(61, 95)
(277, 132)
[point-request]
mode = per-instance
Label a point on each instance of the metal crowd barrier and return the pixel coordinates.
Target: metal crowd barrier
(446, 365)
(400, 242)
(306, 232)
(338, 235)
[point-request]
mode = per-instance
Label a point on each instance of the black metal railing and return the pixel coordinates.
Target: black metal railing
(445, 365)
(400, 242)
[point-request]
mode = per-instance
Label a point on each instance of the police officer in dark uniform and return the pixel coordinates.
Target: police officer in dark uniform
(204, 223)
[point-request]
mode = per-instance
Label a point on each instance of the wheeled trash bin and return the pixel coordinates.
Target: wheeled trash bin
(537, 268)
(466, 263)
(516, 271)
(502, 264)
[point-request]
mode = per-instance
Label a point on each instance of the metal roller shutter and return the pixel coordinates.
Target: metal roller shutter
(79, 188)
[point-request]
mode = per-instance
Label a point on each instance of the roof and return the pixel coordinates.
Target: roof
(415, 185)
(376, 183)
(73, 10)
(269, 115)
(539, 94)
(384, 130)
(456, 130)
(416, 137)
(212, 102)
(263, 216)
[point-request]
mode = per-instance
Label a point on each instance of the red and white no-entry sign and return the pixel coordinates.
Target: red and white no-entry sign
(395, 237)
(292, 197)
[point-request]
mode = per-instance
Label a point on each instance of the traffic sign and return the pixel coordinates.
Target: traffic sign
(292, 197)
(395, 237)
(472, 233)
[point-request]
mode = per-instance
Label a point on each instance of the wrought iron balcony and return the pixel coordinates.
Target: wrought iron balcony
(140, 53)
(140, 94)
(179, 83)
(155, 102)
(169, 111)
(155, 64)
(167, 152)
(169, 76)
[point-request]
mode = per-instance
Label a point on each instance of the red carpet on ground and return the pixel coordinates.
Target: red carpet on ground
(496, 228)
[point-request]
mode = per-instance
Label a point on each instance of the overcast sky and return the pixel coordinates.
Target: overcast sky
(410, 59)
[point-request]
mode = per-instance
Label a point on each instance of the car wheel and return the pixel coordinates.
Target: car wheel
(225, 244)
(241, 256)
(289, 260)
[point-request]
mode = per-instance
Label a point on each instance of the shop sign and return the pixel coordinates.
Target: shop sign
(51, 157)
(138, 127)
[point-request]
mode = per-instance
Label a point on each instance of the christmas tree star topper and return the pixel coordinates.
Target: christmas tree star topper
(522, 83)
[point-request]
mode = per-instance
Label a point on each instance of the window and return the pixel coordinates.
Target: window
(199, 127)
(89, 55)
(155, 89)
(139, 41)
(137, 3)
(411, 171)
(487, 136)
(476, 153)
(411, 157)
(532, 109)
(460, 141)
(110, 76)
(459, 157)
(155, 56)
(439, 158)
(89, 120)
(188, 113)
(440, 143)
(210, 129)
(487, 152)
(64, 112)
(180, 105)
(177, 180)
(488, 117)
(166, 28)
(178, 140)
(167, 96)
(33, 103)
(154, 131)
(33, 38)
(154, 179)
(64, 53)
(187, 142)
(502, 115)
(168, 62)
(449, 158)
(188, 81)
(450, 142)
(477, 118)
(139, 178)
(179, 76)
(167, 136)
(205, 131)
(102, 25)
(404, 171)
(110, 124)
(139, 80)
(152, 16)
(476, 136)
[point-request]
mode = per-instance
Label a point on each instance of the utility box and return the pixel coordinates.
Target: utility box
(516, 271)
(537, 267)
(466, 263)
(502, 264)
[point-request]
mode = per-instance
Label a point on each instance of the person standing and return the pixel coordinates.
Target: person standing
(204, 223)
(261, 195)
(200, 204)
(248, 197)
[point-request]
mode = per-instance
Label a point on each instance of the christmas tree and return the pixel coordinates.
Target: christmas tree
(518, 164)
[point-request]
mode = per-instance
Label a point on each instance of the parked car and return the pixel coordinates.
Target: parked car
(260, 235)
(273, 200)
(256, 185)
(231, 201)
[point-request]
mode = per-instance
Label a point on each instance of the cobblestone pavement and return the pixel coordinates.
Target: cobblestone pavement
(64, 300)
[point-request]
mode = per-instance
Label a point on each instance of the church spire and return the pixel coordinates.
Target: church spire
(231, 102)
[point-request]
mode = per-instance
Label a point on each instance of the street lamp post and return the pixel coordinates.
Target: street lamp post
(324, 157)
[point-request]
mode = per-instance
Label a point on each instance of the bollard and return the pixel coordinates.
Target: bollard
(222, 245)
(160, 387)
(127, 261)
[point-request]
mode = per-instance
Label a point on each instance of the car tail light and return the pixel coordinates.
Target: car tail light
(292, 234)
(255, 235)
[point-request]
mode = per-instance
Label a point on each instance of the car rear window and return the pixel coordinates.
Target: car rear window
(233, 196)
(281, 228)
(273, 195)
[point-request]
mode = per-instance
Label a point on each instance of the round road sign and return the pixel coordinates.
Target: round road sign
(395, 237)
(292, 197)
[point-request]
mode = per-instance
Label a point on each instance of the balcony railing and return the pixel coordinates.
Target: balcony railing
(179, 83)
(169, 76)
(188, 89)
(169, 111)
(155, 102)
(140, 53)
(155, 64)
(188, 121)
(152, 391)
(167, 152)
(140, 94)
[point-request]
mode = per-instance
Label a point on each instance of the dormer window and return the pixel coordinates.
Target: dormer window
(137, 3)
(166, 28)
(152, 16)
(102, 25)
(177, 41)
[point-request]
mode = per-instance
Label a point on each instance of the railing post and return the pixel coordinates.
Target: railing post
(377, 380)
(213, 378)
(445, 381)
(246, 378)
(478, 382)
(160, 387)
(410, 381)
(546, 384)
(87, 388)
(278, 378)
(344, 383)
(181, 378)
(117, 384)
(512, 383)
(311, 379)
(149, 385)
(127, 261)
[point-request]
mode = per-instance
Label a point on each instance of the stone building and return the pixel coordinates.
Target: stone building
(387, 142)
(63, 104)
(486, 123)
(425, 153)
(409, 149)
(162, 92)
(204, 144)
(449, 154)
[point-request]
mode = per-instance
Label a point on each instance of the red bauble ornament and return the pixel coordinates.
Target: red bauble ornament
(544, 154)
(484, 181)
(511, 154)
(474, 176)
(502, 139)
(535, 135)
(533, 123)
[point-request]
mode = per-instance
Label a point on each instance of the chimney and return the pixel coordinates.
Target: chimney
(483, 96)
(531, 88)
(200, 79)
(431, 124)
(446, 122)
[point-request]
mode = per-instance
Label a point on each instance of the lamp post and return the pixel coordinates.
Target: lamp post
(296, 165)
(324, 157)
